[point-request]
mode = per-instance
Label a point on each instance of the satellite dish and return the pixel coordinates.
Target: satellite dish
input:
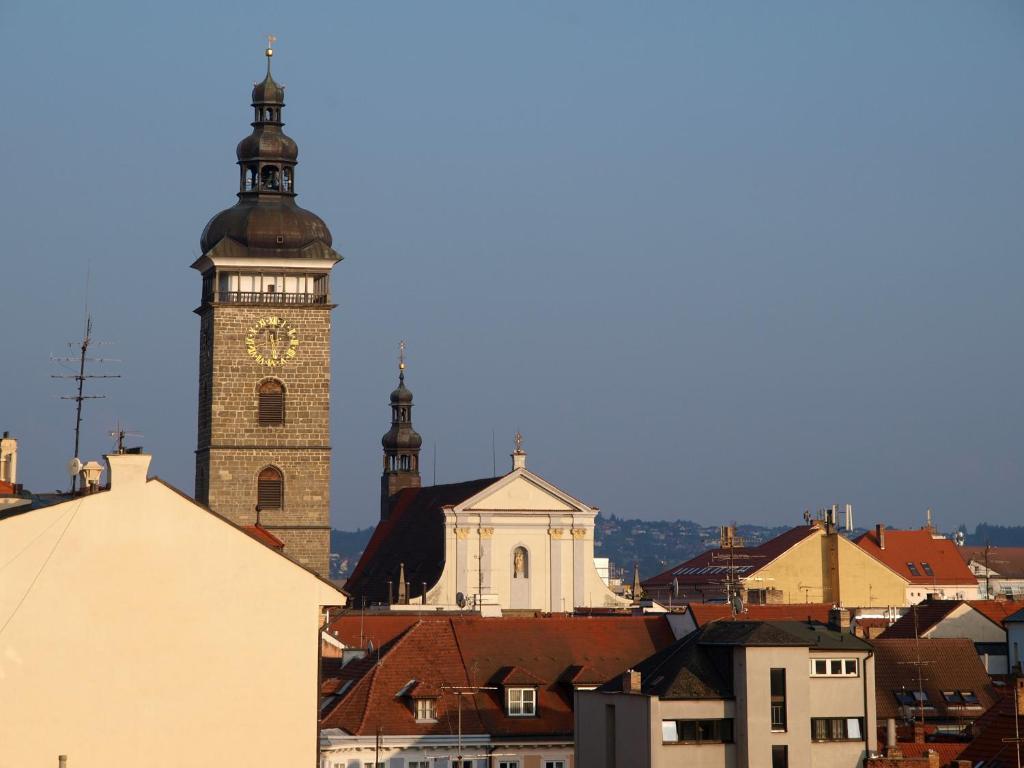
(460, 600)
(74, 467)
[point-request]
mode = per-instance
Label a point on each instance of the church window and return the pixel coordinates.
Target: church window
(269, 177)
(271, 404)
(520, 563)
(521, 702)
(270, 489)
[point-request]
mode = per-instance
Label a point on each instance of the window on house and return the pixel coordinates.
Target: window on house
(780, 756)
(927, 568)
(610, 749)
(952, 697)
(522, 702)
(417, 764)
(969, 697)
(554, 764)
(426, 709)
(270, 489)
(778, 694)
(696, 731)
(834, 667)
(271, 404)
(508, 764)
(913, 569)
(837, 728)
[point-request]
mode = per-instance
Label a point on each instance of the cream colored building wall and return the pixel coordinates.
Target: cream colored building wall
(669, 755)
(845, 697)
(964, 621)
(801, 573)
(140, 629)
(522, 510)
(751, 681)
(917, 593)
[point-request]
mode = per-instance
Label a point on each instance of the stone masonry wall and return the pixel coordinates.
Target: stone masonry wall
(233, 448)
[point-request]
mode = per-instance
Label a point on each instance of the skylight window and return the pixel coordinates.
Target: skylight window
(969, 697)
(927, 568)
(913, 569)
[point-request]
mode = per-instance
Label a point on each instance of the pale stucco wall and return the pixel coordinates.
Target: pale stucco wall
(801, 573)
(143, 630)
(964, 621)
(637, 729)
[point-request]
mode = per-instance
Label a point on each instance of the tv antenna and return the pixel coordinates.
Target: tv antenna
(119, 433)
(83, 357)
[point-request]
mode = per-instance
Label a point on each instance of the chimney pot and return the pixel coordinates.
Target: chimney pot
(880, 535)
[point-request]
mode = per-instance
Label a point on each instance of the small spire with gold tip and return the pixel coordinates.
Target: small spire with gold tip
(518, 455)
(401, 361)
(271, 39)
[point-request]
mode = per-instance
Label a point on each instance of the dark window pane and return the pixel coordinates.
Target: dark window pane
(780, 756)
(687, 730)
(270, 489)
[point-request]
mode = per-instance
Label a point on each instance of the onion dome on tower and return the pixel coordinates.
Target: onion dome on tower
(266, 220)
(401, 443)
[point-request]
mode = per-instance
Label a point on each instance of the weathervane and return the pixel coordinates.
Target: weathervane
(519, 442)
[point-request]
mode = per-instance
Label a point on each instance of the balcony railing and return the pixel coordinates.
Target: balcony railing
(275, 297)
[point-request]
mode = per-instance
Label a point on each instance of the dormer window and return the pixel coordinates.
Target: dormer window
(521, 702)
(425, 710)
(913, 569)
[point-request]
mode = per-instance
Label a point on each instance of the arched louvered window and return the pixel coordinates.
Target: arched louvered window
(270, 489)
(271, 403)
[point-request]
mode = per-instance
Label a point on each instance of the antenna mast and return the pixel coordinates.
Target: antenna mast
(80, 378)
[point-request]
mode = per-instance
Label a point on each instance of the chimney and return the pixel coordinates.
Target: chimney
(891, 750)
(631, 681)
(839, 619)
(127, 470)
(8, 459)
(880, 535)
(726, 537)
(918, 732)
(90, 476)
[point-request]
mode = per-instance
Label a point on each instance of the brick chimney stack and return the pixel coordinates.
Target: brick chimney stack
(880, 535)
(631, 681)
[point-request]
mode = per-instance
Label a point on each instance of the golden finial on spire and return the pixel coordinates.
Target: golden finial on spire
(519, 442)
(401, 356)
(271, 39)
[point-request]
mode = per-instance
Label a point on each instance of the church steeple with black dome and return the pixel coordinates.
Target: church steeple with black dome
(264, 450)
(401, 444)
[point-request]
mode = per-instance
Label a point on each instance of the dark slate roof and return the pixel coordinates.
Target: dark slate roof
(1018, 616)
(699, 666)
(413, 534)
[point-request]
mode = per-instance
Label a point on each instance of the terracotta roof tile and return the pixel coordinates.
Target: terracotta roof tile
(705, 612)
(947, 663)
(1005, 561)
(469, 650)
(993, 730)
(920, 548)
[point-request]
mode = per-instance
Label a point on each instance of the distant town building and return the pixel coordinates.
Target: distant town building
(514, 542)
(139, 628)
(395, 694)
(999, 570)
(263, 453)
(736, 693)
(812, 563)
(930, 563)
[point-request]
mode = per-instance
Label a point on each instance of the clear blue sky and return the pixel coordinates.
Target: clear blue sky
(715, 261)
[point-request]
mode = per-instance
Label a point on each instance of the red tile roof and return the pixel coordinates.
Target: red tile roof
(948, 750)
(931, 612)
(705, 612)
(438, 651)
(6, 489)
(261, 534)
(993, 729)
(947, 664)
(996, 610)
(710, 567)
(919, 547)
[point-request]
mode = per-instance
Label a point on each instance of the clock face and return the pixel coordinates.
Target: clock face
(272, 341)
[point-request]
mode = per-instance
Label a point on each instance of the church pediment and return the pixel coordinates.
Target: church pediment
(522, 491)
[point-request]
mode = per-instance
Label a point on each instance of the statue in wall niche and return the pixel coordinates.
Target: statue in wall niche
(519, 563)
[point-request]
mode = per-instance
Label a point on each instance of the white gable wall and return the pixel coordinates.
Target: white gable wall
(521, 510)
(143, 630)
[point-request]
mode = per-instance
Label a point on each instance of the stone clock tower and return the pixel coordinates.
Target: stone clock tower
(264, 454)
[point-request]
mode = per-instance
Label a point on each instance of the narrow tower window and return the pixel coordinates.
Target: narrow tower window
(270, 489)
(271, 404)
